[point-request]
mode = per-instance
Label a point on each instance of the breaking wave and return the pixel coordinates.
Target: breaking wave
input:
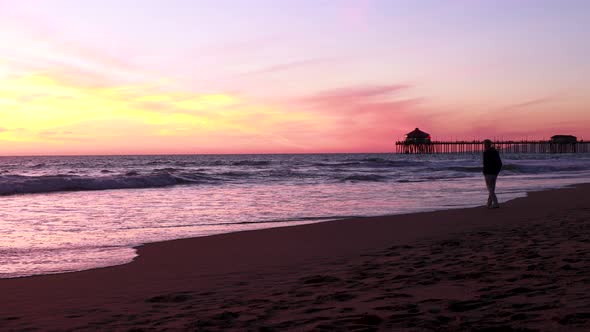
(19, 184)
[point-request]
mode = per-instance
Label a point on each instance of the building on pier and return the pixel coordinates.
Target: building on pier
(417, 141)
(417, 136)
(564, 139)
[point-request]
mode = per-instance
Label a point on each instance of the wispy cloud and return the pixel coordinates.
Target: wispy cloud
(289, 65)
(353, 95)
(531, 102)
(34, 49)
(381, 101)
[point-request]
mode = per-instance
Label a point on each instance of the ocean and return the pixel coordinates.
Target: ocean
(62, 214)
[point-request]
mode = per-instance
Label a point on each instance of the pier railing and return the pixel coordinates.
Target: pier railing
(524, 146)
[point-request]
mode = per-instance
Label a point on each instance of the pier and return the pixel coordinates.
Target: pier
(524, 146)
(418, 141)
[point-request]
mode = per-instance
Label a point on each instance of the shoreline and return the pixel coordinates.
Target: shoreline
(292, 223)
(249, 262)
(295, 222)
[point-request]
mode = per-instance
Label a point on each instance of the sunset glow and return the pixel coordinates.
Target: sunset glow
(286, 76)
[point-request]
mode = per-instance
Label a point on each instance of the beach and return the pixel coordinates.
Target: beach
(522, 267)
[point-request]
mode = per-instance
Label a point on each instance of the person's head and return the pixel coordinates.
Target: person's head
(487, 143)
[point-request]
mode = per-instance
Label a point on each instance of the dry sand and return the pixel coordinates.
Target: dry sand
(523, 267)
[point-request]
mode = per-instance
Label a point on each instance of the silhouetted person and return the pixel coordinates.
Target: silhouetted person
(492, 164)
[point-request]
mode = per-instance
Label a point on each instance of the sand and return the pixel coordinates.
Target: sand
(523, 267)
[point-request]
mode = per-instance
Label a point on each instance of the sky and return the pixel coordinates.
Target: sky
(304, 76)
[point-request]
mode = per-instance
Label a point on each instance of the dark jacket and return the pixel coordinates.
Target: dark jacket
(492, 164)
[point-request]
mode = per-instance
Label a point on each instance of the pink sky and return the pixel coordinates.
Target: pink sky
(151, 77)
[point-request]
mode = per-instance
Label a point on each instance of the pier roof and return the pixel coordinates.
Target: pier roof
(417, 133)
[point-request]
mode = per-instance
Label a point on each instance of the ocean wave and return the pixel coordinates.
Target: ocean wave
(336, 164)
(375, 160)
(365, 178)
(156, 162)
(19, 184)
(538, 169)
(466, 169)
(381, 162)
(236, 174)
(195, 163)
(412, 181)
(512, 168)
(370, 163)
(40, 165)
(441, 177)
(251, 163)
(164, 170)
(196, 177)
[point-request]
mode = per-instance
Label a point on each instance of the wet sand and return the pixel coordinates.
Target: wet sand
(523, 267)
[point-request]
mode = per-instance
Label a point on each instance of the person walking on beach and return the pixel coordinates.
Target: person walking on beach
(492, 164)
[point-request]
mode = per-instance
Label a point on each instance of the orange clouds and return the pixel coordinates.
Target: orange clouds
(48, 111)
(43, 114)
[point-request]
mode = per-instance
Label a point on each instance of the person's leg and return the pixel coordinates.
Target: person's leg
(488, 186)
(491, 185)
(493, 179)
